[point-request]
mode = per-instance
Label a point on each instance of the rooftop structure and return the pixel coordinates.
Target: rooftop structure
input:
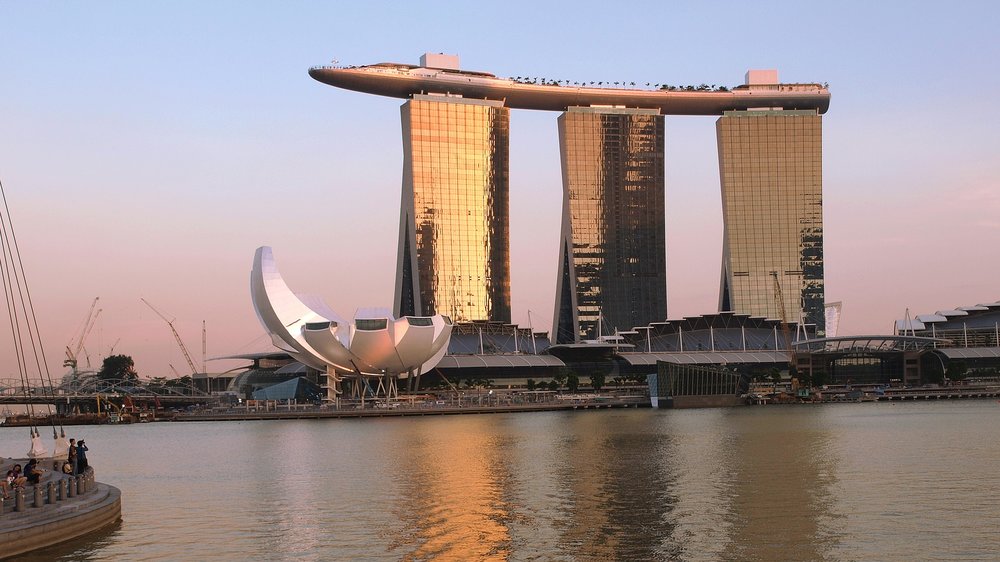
(966, 326)
(405, 80)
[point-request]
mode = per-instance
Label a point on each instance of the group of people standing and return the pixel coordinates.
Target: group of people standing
(76, 463)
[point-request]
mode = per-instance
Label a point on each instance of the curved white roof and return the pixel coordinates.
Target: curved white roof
(315, 335)
(931, 318)
(903, 325)
(952, 313)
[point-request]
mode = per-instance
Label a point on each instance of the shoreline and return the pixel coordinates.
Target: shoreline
(277, 411)
(402, 411)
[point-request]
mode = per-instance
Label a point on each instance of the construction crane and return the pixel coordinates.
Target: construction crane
(779, 298)
(204, 347)
(73, 349)
(785, 331)
(180, 344)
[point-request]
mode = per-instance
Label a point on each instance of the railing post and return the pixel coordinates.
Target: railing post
(61, 491)
(71, 487)
(19, 500)
(37, 499)
(51, 492)
(81, 485)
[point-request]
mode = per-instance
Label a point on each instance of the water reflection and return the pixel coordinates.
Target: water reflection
(782, 467)
(454, 505)
(610, 487)
(844, 482)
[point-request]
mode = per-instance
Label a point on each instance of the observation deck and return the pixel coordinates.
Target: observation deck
(403, 81)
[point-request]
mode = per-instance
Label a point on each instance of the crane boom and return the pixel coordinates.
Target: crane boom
(76, 344)
(785, 332)
(86, 332)
(180, 344)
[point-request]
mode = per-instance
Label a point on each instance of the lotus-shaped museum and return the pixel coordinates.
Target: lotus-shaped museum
(373, 344)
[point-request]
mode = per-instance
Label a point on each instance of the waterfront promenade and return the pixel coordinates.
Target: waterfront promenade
(59, 508)
(261, 410)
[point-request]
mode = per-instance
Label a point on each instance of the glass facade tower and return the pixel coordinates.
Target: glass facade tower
(454, 250)
(612, 256)
(770, 163)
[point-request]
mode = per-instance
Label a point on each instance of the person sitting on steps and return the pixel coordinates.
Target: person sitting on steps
(7, 484)
(33, 472)
(19, 479)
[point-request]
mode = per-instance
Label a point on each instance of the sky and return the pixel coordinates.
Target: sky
(147, 149)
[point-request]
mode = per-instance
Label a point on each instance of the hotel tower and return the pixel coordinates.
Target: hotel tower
(771, 170)
(612, 257)
(454, 252)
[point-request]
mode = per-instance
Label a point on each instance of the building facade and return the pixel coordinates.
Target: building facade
(612, 256)
(454, 244)
(770, 164)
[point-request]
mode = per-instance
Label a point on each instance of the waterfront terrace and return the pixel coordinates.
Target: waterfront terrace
(59, 508)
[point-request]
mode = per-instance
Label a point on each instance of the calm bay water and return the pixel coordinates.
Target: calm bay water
(883, 481)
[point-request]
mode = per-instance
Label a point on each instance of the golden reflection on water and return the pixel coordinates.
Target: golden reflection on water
(453, 506)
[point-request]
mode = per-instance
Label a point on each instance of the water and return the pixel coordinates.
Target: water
(886, 481)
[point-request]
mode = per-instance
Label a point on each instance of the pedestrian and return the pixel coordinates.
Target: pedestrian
(81, 457)
(72, 456)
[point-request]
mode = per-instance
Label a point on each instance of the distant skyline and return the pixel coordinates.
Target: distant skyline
(148, 149)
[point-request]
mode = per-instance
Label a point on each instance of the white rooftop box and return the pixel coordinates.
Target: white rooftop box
(761, 77)
(439, 60)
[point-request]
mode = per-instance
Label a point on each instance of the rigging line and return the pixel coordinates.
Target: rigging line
(40, 349)
(15, 325)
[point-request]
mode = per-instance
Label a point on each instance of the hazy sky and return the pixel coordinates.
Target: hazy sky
(147, 148)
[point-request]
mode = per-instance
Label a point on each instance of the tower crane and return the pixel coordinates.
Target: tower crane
(784, 316)
(180, 344)
(785, 331)
(73, 350)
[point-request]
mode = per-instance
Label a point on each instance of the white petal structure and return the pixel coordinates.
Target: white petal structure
(373, 344)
